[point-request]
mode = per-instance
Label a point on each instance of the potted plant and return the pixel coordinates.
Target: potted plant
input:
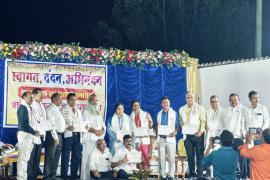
(140, 175)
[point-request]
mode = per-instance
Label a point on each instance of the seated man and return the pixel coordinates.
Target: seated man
(120, 161)
(224, 160)
(259, 156)
(100, 162)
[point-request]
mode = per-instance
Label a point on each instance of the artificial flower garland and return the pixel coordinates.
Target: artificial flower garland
(74, 53)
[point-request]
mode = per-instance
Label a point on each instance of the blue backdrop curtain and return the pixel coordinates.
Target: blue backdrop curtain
(125, 84)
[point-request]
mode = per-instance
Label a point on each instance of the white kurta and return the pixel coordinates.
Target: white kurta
(234, 120)
(167, 146)
(120, 154)
(194, 116)
(39, 114)
(257, 117)
(56, 118)
(89, 140)
(100, 161)
(214, 124)
(69, 117)
(125, 125)
(144, 124)
(171, 123)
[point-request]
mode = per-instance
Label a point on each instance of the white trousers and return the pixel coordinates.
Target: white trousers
(166, 150)
(88, 148)
(25, 145)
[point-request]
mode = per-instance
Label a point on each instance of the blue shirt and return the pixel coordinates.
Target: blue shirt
(224, 162)
(164, 119)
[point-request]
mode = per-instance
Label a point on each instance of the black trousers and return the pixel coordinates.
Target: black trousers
(52, 155)
(71, 145)
(33, 168)
(103, 175)
(195, 146)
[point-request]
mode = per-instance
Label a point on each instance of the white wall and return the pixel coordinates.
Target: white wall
(238, 78)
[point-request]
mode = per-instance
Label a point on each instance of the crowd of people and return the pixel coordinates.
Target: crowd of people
(88, 154)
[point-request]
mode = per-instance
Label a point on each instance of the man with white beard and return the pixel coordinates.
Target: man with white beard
(96, 130)
(234, 120)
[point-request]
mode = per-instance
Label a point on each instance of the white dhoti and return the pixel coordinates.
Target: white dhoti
(88, 148)
(25, 144)
(88, 140)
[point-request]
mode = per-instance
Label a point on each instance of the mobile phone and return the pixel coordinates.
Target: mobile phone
(216, 140)
(253, 130)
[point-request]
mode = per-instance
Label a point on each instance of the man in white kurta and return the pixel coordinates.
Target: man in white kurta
(234, 120)
(214, 122)
(121, 162)
(40, 117)
(71, 140)
(257, 115)
(54, 136)
(193, 115)
(96, 129)
(167, 118)
(234, 117)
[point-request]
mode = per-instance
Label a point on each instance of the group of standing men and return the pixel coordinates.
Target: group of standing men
(57, 137)
(88, 148)
(238, 119)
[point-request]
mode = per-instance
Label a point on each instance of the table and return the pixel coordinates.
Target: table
(6, 160)
(12, 158)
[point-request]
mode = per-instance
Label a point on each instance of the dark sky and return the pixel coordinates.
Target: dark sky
(266, 28)
(52, 21)
(59, 21)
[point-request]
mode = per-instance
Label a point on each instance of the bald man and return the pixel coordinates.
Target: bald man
(193, 114)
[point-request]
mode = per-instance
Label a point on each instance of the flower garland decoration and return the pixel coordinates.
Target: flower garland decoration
(73, 53)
